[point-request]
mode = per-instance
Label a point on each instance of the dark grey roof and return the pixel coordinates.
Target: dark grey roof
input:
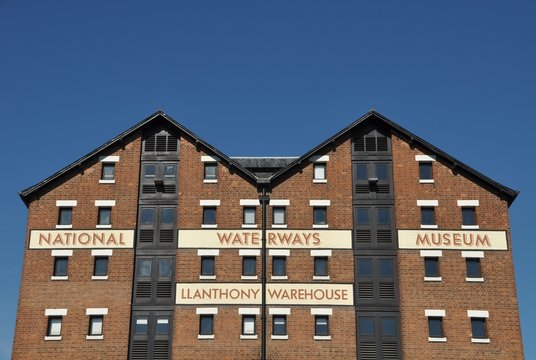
(264, 162)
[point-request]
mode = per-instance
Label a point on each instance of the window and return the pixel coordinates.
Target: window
(141, 326)
(279, 325)
(427, 216)
(95, 325)
(208, 265)
(321, 325)
(65, 216)
(248, 324)
(149, 171)
(468, 216)
(100, 267)
(54, 326)
(162, 325)
(60, 265)
(431, 267)
(435, 327)
(165, 267)
(279, 215)
(279, 266)
(320, 215)
(319, 171)
(425, 170)
(473, 267)
(366, 326)
(320, 266)
(105, 216)
(250, 215)
(108, 172)
(478, 328)
(144, 267)
(206, 325)
(209, 215)
(210, 171)
(249, 266)
(170, 171)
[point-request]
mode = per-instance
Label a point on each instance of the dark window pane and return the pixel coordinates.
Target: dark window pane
(165, 267)
(162, 325)
(60, 266)
(250, 215)
(321, 325)
(150, 171)
(363, 216)
(167, 216)
(140, 327)
(105, 216)
(431, 267)
(319, 214)
(170, 171)
(101, 266)
(387, 268)
(249, 266)
(65, 217)
(279, 266)
(108, 171)
(147, 216)
(366, 326)
(388, 327)
(280, 325)
(361, 172)
(321, 266)
(210, 171)
(473, 267)
(279, 215)
(435, 328)
(384, 216)
(207, 265)
(365, 267)
(468, 216)
(144, 267)
(382, 172)
(478, 327)
(427, 216)
(206, 325)
(425, 170)
(209, 215)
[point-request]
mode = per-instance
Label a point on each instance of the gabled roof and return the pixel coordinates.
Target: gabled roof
(284, 166)
(414, 140)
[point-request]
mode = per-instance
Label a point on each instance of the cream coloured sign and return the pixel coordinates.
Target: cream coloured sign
(307, 239)
(81, 239)
(276, 294)
(452, 239)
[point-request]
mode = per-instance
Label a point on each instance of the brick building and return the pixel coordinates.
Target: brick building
(377, 245)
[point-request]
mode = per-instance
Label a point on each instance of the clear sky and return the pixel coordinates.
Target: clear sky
(271, 77)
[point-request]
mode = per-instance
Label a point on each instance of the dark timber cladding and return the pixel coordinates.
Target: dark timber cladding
(152, 309)
(377, 312)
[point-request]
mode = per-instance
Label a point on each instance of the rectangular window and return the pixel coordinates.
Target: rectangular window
(208, 265)
(321, 266)
(478, 328)
(65, 216)
(248, 325)
(279, 215)
(249, 266)
(279, 325)
(319, 171)
(170, 172)
(210, 171)
(141, 326)
(428, 216)
(320, 215)
(321, 325)
(425, 170)
(431, 267)
(162, 326)
(206, 324)
(105, 216)
(60, 265)
(279, 266)
(468, 216)
(209, 215)
(100, 267)
(473, 267)
(435, 327)
(95, 325)
(54, 326)
(108, 171)
(250, 215)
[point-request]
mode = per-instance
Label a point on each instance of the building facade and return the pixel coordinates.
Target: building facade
(373, 245)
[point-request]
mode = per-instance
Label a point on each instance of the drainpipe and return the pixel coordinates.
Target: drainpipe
(264, 200)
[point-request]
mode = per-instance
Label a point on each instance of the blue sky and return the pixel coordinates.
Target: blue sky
(267, 78)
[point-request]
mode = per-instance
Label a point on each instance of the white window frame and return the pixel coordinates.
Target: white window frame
(108, 160)
(101, 252)
(429, 203)
(320, 253)
(320, 203)
(249, 252)
(280, 203)
(206, 311)
(104, 204)
(474, 254)
(55, 312)
(61, 253)
(249, 203)
(432, 254)
(469, 204)
(208, 252)
(426, 158)
(209, 203)
(279, 253)
(66, 204)
(251, 312)
(435, 313)
(96, 311)
(320, 160)
(482, 314)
